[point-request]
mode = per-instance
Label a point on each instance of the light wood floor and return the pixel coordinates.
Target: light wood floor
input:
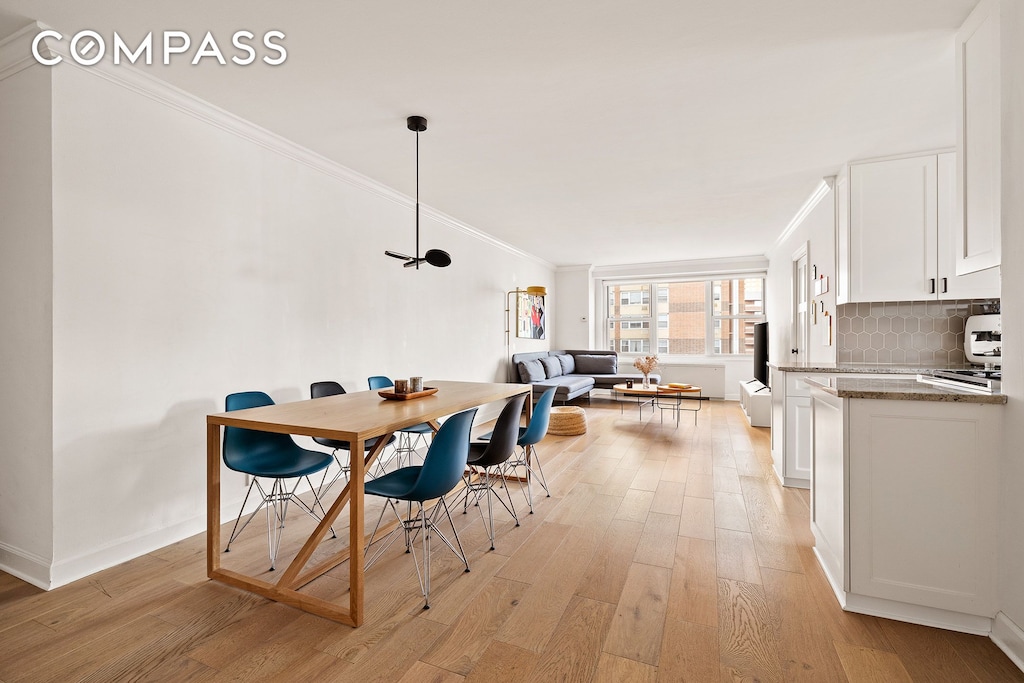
(663, 554)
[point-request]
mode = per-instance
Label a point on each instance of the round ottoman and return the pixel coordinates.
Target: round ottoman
(567, 421)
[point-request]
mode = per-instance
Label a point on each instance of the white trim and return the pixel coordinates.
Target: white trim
(17, 50)
(27, 566)
(756, 266)
(1009, 637)
(823, 188)
(918, 614)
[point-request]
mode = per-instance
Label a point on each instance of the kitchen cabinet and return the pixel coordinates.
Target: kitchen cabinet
(978, 140)
(903, 503)
(898, 241)
(791, 428)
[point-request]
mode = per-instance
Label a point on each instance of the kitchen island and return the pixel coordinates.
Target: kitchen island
(904, 482)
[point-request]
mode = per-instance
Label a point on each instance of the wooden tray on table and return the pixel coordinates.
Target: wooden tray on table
(392, 396)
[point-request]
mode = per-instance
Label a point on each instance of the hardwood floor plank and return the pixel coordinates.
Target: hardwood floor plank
(635, 505)
(503, 663)
(668, 499)
(805, 646)
(736, 558)
(773, 543)
(926, 653)
(605, 576)
(676, 469)
(535, 553)
(636, 631)
(693, 595)
(689, 652)
(657, 544)
(730, 512)
(613, 669)
(986, 661)
(726, 480)
(748, 646)
(573, 652)
(698, 518)
(700, 486)
(648, 476)
(462, 645)
(865, 665)
(421, 672)
(532, 623)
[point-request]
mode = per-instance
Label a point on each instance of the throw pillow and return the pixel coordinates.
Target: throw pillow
(552, 368)
(531, 371)
(567, 362)
(597, 365)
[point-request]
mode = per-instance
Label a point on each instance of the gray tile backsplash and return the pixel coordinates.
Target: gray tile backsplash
(905, 332)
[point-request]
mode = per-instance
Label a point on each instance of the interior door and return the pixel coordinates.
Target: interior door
(801, 305)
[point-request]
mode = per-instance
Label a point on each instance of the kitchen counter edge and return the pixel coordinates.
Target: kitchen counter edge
(897, 390)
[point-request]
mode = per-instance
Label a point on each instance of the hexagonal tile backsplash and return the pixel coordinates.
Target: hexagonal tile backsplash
(904, 332)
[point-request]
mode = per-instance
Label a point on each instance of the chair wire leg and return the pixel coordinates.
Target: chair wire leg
(426, 558)
(235, 530)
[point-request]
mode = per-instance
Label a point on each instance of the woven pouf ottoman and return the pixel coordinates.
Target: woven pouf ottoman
(567, 421)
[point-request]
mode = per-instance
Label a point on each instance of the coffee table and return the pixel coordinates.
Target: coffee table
(663, 397)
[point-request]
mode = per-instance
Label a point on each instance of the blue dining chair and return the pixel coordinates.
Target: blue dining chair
(329, 388)
(529, 437)
(442, 469)
(271, 456)
(487, 460)
(409, 438)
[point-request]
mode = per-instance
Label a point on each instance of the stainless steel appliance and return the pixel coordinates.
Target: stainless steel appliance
(983, 345)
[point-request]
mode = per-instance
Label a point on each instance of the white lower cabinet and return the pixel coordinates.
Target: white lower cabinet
(904, 514)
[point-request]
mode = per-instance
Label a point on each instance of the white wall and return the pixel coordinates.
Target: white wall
(1011, 561)
(26, 493)
(573, 328)
(817, 230)
(191, 261)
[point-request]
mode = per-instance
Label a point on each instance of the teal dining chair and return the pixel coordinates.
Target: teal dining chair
(441, 471)
(271, 456)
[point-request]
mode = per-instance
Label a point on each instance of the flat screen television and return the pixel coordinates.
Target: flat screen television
(761, 353)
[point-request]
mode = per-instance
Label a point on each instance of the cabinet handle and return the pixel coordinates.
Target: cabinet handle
(944, 285)
(931, 285)
(794, 350)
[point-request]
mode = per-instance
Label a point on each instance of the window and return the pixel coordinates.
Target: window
(689, 317)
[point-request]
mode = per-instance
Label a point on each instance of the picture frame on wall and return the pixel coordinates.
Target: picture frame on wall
(531, 316)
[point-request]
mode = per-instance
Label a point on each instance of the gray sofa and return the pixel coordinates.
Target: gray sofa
(574, 373)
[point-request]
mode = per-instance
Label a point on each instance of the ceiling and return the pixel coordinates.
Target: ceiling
(583, 132)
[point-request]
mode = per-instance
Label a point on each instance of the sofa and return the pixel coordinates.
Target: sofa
(573, 373)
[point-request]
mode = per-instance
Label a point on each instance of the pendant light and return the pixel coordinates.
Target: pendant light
(434, 257)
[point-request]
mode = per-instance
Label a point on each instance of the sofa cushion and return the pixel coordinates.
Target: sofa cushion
(552, 368)
(597, 365)
(531, 371)
(568, 363)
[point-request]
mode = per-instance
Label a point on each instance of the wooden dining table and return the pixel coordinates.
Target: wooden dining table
(353, 417)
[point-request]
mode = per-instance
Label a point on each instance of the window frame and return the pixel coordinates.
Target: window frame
(652, 318)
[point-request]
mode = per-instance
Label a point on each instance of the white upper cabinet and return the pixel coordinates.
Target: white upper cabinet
(899, 240)
(978, 140)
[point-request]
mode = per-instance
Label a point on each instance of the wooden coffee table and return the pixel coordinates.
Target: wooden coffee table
(663, 397)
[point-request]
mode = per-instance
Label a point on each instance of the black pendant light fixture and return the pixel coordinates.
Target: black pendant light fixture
(434, 257)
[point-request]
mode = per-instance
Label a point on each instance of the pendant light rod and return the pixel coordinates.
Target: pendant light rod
(435, 257)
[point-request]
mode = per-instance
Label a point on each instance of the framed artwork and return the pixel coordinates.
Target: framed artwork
(531, 316)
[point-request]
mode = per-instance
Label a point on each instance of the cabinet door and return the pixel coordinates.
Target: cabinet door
(983, 284)
(978, 139)
(922, 485)
(798, 448)
(893, 229)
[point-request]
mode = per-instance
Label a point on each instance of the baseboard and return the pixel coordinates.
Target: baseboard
(66, 571)
(27, 566)
(1009, 637)
(917, 614)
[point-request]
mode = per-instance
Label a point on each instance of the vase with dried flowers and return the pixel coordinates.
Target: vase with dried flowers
(646, 365)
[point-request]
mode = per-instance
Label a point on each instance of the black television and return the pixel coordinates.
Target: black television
(761, 353)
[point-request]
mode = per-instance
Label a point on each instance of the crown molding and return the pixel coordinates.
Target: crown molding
(16, 55)
(16, 50)
(824, 187)
(694, 268)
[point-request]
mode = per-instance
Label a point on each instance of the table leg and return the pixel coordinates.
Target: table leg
(212, 499)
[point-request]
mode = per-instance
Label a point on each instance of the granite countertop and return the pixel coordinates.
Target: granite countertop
(897, 389)
(864, 368)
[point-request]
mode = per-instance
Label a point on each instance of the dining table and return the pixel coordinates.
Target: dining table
(352, 417)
